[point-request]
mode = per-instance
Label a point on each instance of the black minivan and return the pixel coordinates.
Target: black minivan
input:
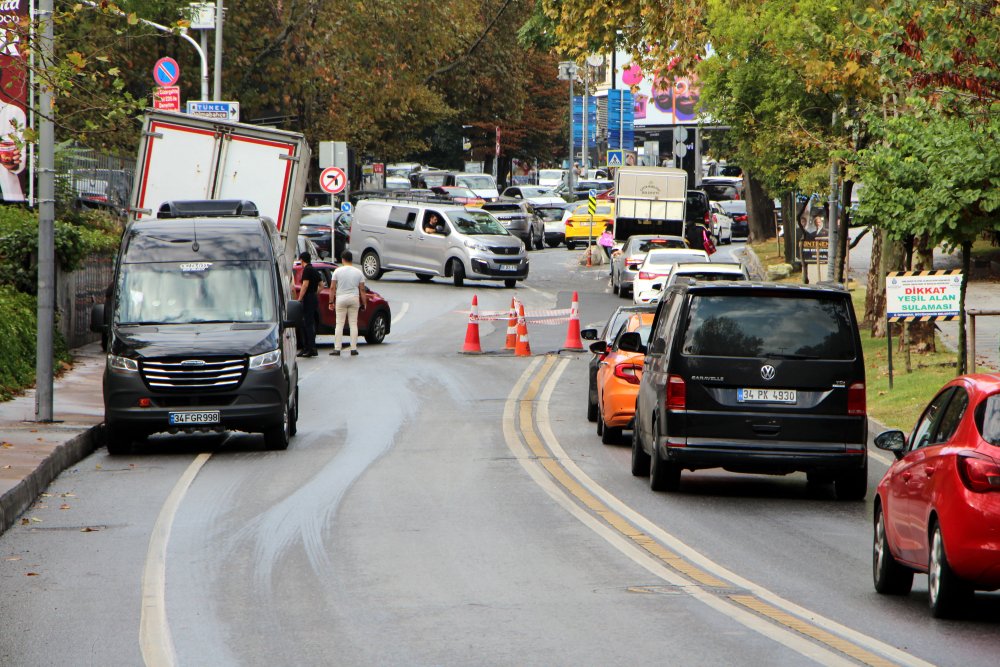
(199, 327)
(753, 378)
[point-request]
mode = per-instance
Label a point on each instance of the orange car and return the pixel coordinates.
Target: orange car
(618, 375)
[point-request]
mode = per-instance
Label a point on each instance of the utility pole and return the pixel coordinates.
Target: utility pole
(833, 223)
(217, 92)
(46, 225)
(567, 72)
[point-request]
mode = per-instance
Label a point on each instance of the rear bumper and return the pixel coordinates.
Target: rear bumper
(762, 457)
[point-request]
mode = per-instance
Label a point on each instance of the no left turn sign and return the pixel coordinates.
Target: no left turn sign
(333, 180)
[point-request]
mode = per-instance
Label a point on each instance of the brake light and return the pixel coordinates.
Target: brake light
(643, 275)
(628, 372)
(569, 223)
(715, 219)
(633, 261)
(676, 393)
(707, 218)
(856, 399)
(979, 473)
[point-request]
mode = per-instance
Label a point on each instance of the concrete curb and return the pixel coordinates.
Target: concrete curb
(19, 498)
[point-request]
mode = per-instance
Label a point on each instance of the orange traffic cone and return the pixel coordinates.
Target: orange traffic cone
(512, 327)
(523, 348)
(472, 331)
(573, 341)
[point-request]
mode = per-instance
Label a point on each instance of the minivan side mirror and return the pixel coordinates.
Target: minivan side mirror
(97, 318)
(293, 313)
(891, 441)
(589, 334)
(600, 347)
(631, 342)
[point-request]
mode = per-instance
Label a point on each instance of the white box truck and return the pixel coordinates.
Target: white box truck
(184, 157)
(649, 200)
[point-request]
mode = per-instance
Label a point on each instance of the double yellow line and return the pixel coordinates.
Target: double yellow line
(529, 436)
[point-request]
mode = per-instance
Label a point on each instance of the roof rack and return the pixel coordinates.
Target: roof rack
(409, 196)
(208, 208)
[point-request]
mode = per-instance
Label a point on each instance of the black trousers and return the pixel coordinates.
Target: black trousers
(310, 311)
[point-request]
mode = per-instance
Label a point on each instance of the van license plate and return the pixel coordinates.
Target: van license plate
(766, 396)
(211, 417)
(508, 267)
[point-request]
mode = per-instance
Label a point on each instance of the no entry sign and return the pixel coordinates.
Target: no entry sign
(333, 180)
(166, 72)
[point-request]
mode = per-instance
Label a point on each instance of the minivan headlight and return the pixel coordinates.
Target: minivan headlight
(262, 362)
(123, 363)
(476, 245)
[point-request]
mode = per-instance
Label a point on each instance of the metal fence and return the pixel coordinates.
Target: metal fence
(76, 292)
(86, 178)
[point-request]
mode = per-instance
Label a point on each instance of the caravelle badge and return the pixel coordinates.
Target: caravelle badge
(767, 372)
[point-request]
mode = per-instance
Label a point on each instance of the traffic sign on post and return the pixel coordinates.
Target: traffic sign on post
(166, 72)
(615, 158)
(333, 180)
(346, 207)
(167, 98)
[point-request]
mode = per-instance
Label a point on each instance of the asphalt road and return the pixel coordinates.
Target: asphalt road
(443, 509)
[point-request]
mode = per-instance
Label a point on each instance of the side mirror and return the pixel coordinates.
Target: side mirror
(589, 334)
(600, 347)
(97, 318)
(293, 313)
(891, 441)
(656, 286)
(631, 342)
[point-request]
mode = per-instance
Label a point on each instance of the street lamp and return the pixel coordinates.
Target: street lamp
(567, 72)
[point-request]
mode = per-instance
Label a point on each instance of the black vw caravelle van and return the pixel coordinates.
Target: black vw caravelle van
(199, 327)
(754, 378)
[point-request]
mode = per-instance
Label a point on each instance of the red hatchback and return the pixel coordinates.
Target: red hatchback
(373, 321)
(938, 506)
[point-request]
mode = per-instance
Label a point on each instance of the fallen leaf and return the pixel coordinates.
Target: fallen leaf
(36, 519)
(88, 529)
(24, 522)
(46, 495)
(68, 495)
(13, 558)
(64, 506)
(7, 467)
(6, 445)
(31, 574)
(97, 467)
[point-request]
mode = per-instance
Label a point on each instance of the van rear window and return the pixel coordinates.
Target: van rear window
(785, 327)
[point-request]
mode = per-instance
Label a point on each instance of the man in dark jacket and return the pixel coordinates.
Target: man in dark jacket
(310, 305)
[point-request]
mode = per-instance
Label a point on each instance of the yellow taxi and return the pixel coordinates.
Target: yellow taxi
(579, 228)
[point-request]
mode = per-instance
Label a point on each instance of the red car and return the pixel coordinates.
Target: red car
(374, 321)
(938, 506)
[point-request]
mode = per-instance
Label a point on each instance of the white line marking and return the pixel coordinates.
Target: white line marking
(401, 313)
(154, 630)
(662, 536)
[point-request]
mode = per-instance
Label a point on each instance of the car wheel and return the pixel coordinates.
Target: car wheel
(600, 422)
(947, 593)
(852, 485)
(552, 244)
(889, 576)
(370, 265)
(640, 459)
(592, 401)
(611, 435)
(378, 327)
(276, 438)
(509, 282)
(570, 245)
(458, 272)
(663, 475)
(293, 419)
(119, 441)
(424, 277)
(540, 241)
(625, 292)
(614, 285)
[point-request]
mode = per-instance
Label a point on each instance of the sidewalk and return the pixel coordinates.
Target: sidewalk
(33, 454)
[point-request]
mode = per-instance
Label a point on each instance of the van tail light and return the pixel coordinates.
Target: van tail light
(715, 219)
(628, 372)
(708, 219)
(856, 399)
(979, 473)
(676, 393)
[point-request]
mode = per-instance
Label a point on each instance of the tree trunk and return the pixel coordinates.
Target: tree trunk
(789, 225)
(760, 209)
(892, 257)
(872, 305)
(922, 333)
(842, 270)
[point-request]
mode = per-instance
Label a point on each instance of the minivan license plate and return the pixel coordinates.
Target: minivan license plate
(766, 396)
(507, 267)
(210, 417)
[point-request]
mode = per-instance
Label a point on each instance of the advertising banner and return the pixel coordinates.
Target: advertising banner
(657, 101)
(14, 21)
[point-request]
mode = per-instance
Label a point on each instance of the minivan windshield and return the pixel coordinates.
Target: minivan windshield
(735, 325)
(195, 292)
(482, 182)
(476, 223)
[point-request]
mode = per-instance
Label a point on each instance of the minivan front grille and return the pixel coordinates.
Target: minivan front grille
(200, 373)
(504, 250)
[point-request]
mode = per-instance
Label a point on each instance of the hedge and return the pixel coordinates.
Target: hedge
(18, 332)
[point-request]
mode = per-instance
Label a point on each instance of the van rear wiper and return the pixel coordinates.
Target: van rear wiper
(793, 356)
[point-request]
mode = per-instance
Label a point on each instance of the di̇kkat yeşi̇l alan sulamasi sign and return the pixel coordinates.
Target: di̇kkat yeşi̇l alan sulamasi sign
(922, 296)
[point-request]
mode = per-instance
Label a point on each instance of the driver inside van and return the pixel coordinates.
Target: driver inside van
(433, 224)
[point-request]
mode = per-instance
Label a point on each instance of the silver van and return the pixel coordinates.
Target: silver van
(465, 244)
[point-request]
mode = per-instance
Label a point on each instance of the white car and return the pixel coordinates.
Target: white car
(708, 271)
(550, 178)
(534, 195)
(722, 224)
(625, 262)
(656, 268)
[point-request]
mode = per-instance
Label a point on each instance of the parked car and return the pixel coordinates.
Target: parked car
(580, 230)
(330, 231)
(551, 178)
(656, 268)
(737, 211)
(937, 508)
(482, 184)
(618, 376)
(625, 263)
(723, 386)
(397, 183)
(723, 189)
(610, 331)
(518, 218)
(553, 219)
(109, 189)
(459, 195)
(374, 320)
(721, 225)
(705, 271)
(534, 195)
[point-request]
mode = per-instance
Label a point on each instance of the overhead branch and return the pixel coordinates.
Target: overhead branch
(472, 48)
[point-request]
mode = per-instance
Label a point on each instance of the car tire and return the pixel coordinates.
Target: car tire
(640, 459)
(663, 475)
(592, 401)
(540, 241)
(119, 441)
(853, 484)
(610, 435)
(570, 245)
(509, 283)
(371, 266)
(600, 423)
(457, 272)
(552, 244)
(378, 327)
(293, 418)
(946, 592)
(888, 575)
(276, 437)
(614, 285)
(424, 277)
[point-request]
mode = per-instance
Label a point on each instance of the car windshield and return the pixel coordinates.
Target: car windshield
(317, 220)
(730, 170)
(666, 258)
(535, 192)
(459, 192)
(476, 223)
(550, 174)
(476, 182)
(734, 206)
(550, 213)
(602, 209)
(720, 192)
(735, 325)
(190, 292)
(651, 244)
